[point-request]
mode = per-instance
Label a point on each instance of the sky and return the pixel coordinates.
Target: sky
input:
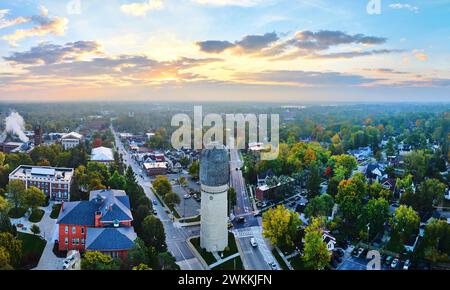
(225, 50)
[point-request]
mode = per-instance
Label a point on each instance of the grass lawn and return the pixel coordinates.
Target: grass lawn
(279, 260)
(233, 264)
(208, 257)
(191, 220)
(297, 263)
(36, 215)
(17, 212)
(32, 248)
(55, 211)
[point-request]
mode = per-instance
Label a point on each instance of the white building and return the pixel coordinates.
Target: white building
(214, 179)
(71, 140)
(102, 154)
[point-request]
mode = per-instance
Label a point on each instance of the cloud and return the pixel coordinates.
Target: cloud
(306, 78)
(302, 44)
(406, 6)
(241, 3)
(248, 44)
(48, 53)
(419, 55)
(142, 8)
(44, 24)
(4, 23)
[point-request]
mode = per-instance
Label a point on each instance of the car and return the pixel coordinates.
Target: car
(155, 202)
(240, 219)
(253, 243)
(230, 225)
(66, 264)
(187, 196)
(407, 265)
(388, 260)
(359, 253)
(155, 212)
(273, 266)
(394, 263)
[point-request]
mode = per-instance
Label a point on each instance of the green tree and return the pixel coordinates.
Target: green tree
(319, 206)
(117, 181)
(316, 255)
(350, 196)
(141, 267)
(16, 190)
(162, 185)
(13, 247)
(405, 222)
(375, 213)
(34, 197)
(314, 179)
(194, 169)
(95, 260)
(344, 161)
(281, 225)
(430, 193)
(35, 229)
(172, 199)
(5, 259)
(167, 262)
(231, 198)
(436, 241)
(153, 233)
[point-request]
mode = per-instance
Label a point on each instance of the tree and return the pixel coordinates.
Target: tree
(141, 254)
(35, 229)
(167, 262)
(375, 213)
(5, 259)
(231, 198)
(162, 185)
(172, 199)
(4, 206)
(117, 181)
(95, 260)
(281, 225)
(34, 197)
(141, 267)
(13, 247)
(350, 196)
(347, 163)
(405, 222)
(319, 206)
(16, 190)
(430, 192)
(194, 169)
(139, 215)
(376, 190)
(316, 255)
(153, 233)
(436, 241)
(314, 179)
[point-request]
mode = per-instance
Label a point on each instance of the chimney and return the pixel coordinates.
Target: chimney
(110, 207)
(98, 216)
(62, 206)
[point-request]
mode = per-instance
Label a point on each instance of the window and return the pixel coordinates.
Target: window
(66, 229)
(66, 240)
(74, 230)
(82, 241)
(82, 230)
(73, 241)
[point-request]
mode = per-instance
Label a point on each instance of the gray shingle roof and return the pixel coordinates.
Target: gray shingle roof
(214, 167)
(110, 239)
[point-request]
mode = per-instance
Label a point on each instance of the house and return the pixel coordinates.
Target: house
(261, 178)
(361, 153)
(375, 172)
(263, 191)
(389, 183)
(329, 240)
(155, 168)
(71, 140)
(101, 224)
(404, 149)
(55, 182)
(102, 154)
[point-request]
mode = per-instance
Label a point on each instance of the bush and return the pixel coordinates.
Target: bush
(55, 211)
(36, 215)
(17, 212)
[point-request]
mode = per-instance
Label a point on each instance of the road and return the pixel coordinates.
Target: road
(175, 237)
(253, 258)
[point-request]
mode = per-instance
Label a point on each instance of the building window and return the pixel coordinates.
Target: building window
(82, 241)
(66, 241)
(74, 230)
(82, 230)
(66, 229)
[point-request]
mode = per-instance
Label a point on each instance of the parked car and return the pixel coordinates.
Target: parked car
(407, 265)
(273, 266)
(359, 253)
(388, 260)
(155, 202)
(240, 219)
(394, 263)
(187, 196)
(253, 243)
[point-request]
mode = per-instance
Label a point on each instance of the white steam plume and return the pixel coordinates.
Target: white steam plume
(14, 123)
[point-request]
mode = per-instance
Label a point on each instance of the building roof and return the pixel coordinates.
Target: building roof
(72, 135)
(112, 204)
(214, 167)
(102, 154)
(51, 173)
(110, 239)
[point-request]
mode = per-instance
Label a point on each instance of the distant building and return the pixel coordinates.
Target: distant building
(55, 182)
(37, 135)
(361, 153)
(329, 240)
(9, 147)
(102, 154)
(104, 223)
(155, 168)
(71, 140)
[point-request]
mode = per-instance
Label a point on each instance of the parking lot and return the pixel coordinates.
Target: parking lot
(357, 261)
(188, 206)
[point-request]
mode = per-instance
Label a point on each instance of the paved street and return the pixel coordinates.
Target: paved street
(175, 237)
(253, 258)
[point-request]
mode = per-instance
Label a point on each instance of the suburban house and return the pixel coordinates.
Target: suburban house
(375, 172)
(155, 168)
(102, 154)
(362, 153)
(101, 224)
(71, 140)
(264, 191)
(329, 240)
(55, 182)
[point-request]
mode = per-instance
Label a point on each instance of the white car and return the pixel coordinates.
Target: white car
(66, 264)
(273, 266)
(187, 196)
(406, 265)
(253, 243)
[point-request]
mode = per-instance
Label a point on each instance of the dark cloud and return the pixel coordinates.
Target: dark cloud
(249, 43)
(308, 78)
(50, 53)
